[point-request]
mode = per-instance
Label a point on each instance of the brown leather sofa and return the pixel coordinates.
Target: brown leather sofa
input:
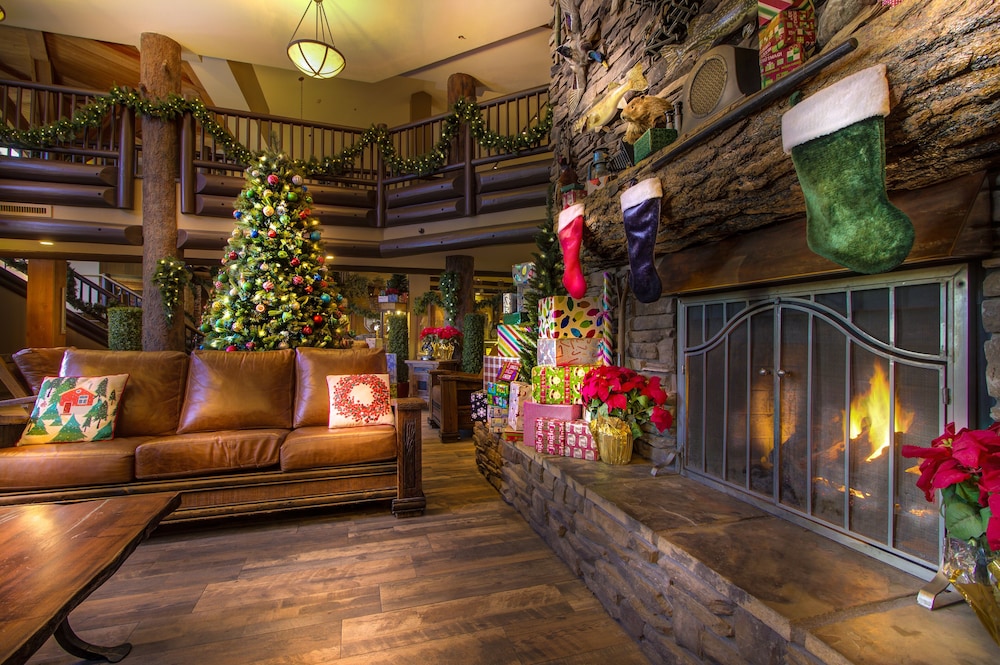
(451, 402)
(234, 433)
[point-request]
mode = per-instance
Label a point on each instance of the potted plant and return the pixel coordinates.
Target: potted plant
(398, 342)
(618, 401)
(125, 328)
(439, 343)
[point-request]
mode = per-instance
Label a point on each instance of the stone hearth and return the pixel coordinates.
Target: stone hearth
(695, 575)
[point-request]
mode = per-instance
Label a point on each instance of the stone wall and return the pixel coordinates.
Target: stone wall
(991, 311)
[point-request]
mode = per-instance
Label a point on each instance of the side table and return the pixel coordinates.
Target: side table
(420, 378)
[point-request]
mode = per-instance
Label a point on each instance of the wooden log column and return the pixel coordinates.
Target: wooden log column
(460, 86)
(160, 75)
(464, 266)
(46, 303)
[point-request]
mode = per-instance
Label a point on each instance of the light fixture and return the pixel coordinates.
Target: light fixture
(316, 57)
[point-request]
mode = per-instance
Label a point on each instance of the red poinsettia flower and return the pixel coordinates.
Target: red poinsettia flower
(624, 393)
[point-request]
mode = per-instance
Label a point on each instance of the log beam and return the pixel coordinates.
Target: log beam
(943, 62)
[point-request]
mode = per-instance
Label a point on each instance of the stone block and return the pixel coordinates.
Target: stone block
(991, 315)
(991, 285)
(757, 644)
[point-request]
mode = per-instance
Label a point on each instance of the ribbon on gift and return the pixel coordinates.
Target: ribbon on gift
(604, 350)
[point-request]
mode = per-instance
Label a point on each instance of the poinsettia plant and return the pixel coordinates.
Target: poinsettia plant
(623, 393)
(442, 333)
(965, 466)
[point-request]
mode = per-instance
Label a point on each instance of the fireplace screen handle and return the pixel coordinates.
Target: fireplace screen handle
(763, 371)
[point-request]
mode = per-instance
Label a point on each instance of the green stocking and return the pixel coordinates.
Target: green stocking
(837, 142)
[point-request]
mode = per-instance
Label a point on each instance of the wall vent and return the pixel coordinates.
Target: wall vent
(25, 209)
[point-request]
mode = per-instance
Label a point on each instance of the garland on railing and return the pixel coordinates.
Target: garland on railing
(92, 115)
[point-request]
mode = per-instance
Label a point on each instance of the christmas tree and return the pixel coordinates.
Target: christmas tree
(272, 291)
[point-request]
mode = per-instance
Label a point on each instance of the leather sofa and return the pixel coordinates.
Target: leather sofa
(233, 433)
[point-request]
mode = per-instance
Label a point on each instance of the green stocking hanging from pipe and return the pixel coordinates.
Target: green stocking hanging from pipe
(837, 141)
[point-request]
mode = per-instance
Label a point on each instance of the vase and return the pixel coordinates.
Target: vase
(975, 573)
(614, 439)
(443, 350)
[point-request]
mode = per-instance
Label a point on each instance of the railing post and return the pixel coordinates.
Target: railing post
(381, 214)
(187, 173)
(126, 160)
(469, 190)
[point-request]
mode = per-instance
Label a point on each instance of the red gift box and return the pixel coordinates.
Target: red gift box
(550, 435)
(579, 442)
(533, 411)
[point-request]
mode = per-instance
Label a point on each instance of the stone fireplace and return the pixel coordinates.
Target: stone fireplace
(799, 398)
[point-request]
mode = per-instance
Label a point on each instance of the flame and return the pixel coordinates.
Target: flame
(870, 414)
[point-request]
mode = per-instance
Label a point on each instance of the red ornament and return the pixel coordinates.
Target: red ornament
(321, 259)
(304, 214)
(322, 283)
(249, 346)
(232, 256)
(307, 330)
(295, 262)
(230, 348)
(272, 233)
(317, 319)
(309, 288)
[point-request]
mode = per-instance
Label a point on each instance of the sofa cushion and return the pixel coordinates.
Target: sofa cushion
(208, 453)
(358, 400)
(37, 363)
(75, 409)
(239, 390)
(58, 465)
(312, 366)
(318, 447)
(152, 401)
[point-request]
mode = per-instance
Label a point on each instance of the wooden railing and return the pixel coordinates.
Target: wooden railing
(113, 143)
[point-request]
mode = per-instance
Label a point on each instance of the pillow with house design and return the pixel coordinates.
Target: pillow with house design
(75, 408)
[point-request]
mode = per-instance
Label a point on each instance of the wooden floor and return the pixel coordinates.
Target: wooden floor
(467, 583)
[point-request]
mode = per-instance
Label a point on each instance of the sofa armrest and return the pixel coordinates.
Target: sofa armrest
(14, 415)
(410, 500)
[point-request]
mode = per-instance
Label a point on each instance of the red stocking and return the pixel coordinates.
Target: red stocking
(570, 237)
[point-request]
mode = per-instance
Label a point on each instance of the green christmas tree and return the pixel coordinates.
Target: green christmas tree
(71, 431)
(546, 282)
(272, 291)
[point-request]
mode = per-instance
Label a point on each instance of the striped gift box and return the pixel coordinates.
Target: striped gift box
(512, 338)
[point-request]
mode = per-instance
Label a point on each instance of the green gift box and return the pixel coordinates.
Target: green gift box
(651, 141)
(558, 385)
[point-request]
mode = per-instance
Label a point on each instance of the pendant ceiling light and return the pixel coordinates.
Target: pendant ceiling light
(316, 57)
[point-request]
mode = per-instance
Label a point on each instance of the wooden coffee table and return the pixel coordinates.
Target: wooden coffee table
(52, 556)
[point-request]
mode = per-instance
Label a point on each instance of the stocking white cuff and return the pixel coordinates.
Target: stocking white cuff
(645, 189)
(862, 95)
(567, 216)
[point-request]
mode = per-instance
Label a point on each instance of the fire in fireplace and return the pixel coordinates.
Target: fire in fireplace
(799, 399)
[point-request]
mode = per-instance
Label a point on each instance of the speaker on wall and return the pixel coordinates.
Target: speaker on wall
(721, 77)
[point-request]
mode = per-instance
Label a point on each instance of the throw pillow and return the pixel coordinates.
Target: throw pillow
(75, 408)
(357, 400)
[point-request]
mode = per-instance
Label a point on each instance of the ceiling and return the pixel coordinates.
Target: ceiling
(234, 54)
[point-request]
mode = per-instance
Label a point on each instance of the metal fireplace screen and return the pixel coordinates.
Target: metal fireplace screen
(801, 398)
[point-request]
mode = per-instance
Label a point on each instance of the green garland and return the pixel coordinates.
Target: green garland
(449, 285)
(171, 277)
(463, 111)
(425, 300)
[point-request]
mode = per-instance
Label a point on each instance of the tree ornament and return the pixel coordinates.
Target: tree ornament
(272, 234)
(307, 330)
(295, 262)
(318, 318)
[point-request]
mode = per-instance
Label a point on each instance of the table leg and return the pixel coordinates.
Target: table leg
(75, 646)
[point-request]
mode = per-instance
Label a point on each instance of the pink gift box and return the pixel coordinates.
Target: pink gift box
(550, 435)
(533, 411)
(579, 442)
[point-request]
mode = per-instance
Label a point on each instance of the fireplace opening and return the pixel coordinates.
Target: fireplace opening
(799, 398)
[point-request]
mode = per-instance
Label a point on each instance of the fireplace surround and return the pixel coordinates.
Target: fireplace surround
(798, 399)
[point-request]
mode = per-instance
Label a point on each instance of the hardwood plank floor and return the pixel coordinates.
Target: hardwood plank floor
(469, 582)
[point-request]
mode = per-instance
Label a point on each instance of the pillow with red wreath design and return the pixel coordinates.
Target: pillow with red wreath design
(359, 400)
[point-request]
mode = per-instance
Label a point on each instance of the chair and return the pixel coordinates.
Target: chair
(451, 401)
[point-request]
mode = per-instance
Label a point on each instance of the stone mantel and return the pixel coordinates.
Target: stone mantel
(943, 64)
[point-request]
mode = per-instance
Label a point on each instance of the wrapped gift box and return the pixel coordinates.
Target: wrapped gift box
(496, 418)
(390, 363)
(550, 435)
(768, 9)
(551, 384)
(479, 404)
(533, 411)
(512, 338)
(522, 273)
(654, 139)
(514, 436)
(791, 27)
(579, 441)
(509, 303)
(517, 318)
(562, 316)
(497, 393)
(519, 394)
(509, 370)
(493, 365)
(785, 61)
(568, 351)
(392, 297)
